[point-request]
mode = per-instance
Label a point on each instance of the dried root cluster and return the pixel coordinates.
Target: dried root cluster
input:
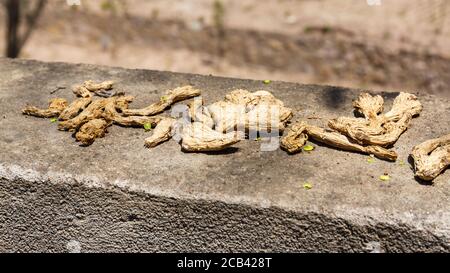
(210, 128)
(90, 118)
(431, 157)
(373, 133)
(226, 122)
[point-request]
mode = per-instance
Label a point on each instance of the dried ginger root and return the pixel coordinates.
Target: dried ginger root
(339, 141)
(378, 129)
(115, 104)
(242, 110)
(91, 130)
(198, 112)
(87, 87)
(197, 137)
(295, 139)
(431, 157)
(74, 108)
(55, 107)
(299, 133)
(365, 135)
(161, 133)
(93, 111)
(172, 96)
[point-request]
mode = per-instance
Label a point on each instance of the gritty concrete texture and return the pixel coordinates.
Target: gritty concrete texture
(117, 196)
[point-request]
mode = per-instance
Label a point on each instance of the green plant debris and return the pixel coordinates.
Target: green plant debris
(308, 148)
(53, 120)
(307, 186)
(258, 139)
(148, 127)
(267, 81)
(371, 159)
(385, 177)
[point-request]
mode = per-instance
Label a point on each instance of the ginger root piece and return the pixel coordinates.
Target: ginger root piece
(299, 133)
(242, 110)
(93, 111)
(87, 87)
(198, 112)
(295, 139)
(120, 103)
(431, 157)
(384, 129)
(56, 106)
(337, 140)
(91, 130)
(161, 133)
(74, 108)
(197, 137)
(369, 106)
(92, 86)
(172, 96)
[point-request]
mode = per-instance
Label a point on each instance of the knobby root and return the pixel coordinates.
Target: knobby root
(171, 97)
(75, 108)
(88, 87)
(299, 132)
(55, 107)
(431, 157)
(161, 133)
(375, 128)
(197, 137)
(369, 135)
(91, 130)
(244, 111)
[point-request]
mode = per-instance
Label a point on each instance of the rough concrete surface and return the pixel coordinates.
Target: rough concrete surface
(117, 196)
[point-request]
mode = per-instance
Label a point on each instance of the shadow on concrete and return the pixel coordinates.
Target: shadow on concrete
(334, 96)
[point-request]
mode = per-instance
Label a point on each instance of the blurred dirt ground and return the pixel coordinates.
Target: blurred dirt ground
(397, 45)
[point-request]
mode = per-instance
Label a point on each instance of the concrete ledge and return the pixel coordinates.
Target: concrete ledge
(118, 196)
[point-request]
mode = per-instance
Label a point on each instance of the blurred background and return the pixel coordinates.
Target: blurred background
(371, 44)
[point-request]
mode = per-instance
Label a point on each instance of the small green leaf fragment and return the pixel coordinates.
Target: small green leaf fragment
(258, 139)
(385, 177)
(267, 81)
(371, 159)
(308, 148)
(53, 120)
(307, 186)
(163, 99)
(147, 126)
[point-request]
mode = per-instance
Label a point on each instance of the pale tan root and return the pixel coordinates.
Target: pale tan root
(295, 139)
(56, 106)
(197, 137)
(378, 129)
(403, 103)
(369, 106)
(431, 157)
(120, 103)
(198, 112)
(74, 108)
(337, 140)
(259, 98)
(92, 86)
(85, 90)
(172, 96)
(91, 130)
(245, 111)
(300, 131)
(161, 133)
